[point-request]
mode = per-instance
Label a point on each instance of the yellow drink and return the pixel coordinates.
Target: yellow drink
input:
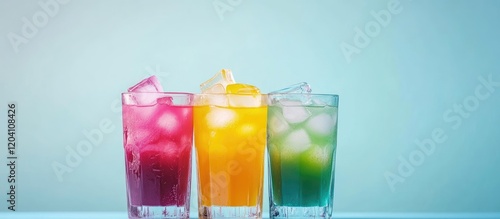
(230, 144)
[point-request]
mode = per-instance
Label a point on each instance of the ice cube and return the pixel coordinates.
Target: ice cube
(140, 92)
(318, 103)
(145, 99)
(218, 83)
(321, 124)
(247, 130)
(294, 112)
(245, 100)
(168, 122)
(216, 100)
(278, 124)
(144, 123)
(150, 84)
(165, 100)
(140, 116)
(144, 136)
(216, 89)
(239, 88)
(220, 117)
(317, 158)
(296, 142)
(169, 149)
(246, 95)
(187, 113)
(299, 88)
(302, 87)
(318, 153)
(211, 100)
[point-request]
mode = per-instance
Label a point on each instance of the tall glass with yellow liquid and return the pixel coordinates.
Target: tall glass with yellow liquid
(230, 140)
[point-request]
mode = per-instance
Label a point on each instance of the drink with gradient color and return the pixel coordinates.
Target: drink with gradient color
(230, 136)
(302, 140)
(157, 135)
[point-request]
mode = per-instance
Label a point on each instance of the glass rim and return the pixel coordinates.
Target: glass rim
(304, 94)
(163, 92)
(226, 94)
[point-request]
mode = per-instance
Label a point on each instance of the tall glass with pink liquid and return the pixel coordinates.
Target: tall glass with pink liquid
(157, 138)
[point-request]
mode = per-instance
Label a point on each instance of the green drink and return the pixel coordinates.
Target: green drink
(302, 138)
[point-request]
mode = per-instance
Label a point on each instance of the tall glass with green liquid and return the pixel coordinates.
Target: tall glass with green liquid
(302, 140)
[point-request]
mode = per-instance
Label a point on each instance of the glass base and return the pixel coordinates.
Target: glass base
(144, 211)
(230, 212)
(300, 212)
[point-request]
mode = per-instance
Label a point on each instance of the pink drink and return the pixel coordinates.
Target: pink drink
(157, 141)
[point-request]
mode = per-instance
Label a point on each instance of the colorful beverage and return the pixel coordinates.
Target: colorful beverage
(158, 141)
(230, 146)
(302, 138)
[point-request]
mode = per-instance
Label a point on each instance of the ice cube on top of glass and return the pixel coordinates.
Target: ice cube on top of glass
(165, 100)
(302, 87)
(218, 83)
(239, 88)
(299, 88)
(141, 93)
(150, 84)
(249, 95)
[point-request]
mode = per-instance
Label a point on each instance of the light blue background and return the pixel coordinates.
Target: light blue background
(68, 78)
